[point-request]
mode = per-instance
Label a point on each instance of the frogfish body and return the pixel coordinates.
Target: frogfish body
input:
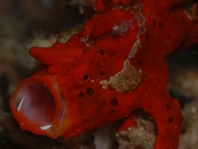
(114, 65)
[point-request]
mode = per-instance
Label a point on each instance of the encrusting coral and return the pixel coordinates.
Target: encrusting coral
(119, 39)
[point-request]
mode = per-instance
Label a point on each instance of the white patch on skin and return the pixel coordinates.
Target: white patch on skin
(134, 49)
(136, 12)
(122, 28)
(125, 80)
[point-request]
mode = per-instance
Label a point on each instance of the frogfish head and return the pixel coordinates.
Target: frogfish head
(78, 87)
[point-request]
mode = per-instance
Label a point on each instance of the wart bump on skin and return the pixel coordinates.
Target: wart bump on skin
(104, 84)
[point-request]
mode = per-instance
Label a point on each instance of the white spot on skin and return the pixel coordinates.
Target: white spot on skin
(122, 28)
(86, 42)
(115, 28)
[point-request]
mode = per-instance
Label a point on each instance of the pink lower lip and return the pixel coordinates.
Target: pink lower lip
(39, 106)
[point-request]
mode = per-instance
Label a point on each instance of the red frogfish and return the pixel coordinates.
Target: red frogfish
(115, 64)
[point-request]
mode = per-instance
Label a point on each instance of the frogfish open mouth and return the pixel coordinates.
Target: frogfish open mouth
(40, 107)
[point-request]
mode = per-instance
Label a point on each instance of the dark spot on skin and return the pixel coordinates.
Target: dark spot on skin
(114, 101)
(168, 106)
(111, 111)
(98, 63)
(102, 52)
(154, 22)
(85, 77)
(147, 37)
(139, 62)
(170, 119)
(81, 95)
(90, 91)
(101, 73)
(161, 26)
(111, 54)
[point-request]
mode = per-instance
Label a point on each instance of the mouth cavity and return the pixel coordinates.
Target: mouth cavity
(39, 107)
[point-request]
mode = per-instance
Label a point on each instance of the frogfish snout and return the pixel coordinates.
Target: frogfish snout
(39, 106)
